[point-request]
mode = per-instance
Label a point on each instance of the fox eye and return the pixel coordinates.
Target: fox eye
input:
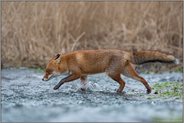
(57, 56)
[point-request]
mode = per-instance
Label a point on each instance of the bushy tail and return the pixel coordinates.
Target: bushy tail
(141, 57)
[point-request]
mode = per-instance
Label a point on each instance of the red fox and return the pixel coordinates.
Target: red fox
(113, 62)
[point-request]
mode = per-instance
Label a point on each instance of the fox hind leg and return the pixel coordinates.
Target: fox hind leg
(118, 79)
(129, 71)
(114, 72)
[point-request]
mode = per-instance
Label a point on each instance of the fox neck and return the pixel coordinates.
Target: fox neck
(62, 67)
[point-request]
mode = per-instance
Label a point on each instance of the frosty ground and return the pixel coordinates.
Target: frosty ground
(25, 97)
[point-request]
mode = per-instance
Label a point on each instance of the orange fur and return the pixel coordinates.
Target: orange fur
(112, 62)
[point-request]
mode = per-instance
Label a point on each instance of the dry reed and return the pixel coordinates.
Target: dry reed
(32, 32)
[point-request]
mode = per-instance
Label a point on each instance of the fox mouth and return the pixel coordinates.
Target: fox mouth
(54, 75)
(50, 77)
(45, 79)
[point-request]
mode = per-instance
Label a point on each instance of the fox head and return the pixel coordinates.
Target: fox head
(55, 66)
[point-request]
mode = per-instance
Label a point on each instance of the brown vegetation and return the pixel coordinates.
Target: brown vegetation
(32, 32)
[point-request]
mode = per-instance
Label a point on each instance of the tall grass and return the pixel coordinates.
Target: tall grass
(32, 32)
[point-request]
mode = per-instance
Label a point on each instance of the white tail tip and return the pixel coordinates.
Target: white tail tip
(176, 61)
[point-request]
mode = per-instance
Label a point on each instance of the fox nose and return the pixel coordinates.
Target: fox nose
(42, 79)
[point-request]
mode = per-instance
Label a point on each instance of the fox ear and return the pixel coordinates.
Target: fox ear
(57, 58)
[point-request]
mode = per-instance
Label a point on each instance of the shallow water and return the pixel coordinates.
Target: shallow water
(25, 97)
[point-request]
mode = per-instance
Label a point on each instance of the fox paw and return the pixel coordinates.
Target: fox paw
(83, 89)
(56, 87)
(120, 92)
(148, 91)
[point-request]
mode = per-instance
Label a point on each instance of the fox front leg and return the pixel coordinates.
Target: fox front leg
(67, 79)
(83, 83)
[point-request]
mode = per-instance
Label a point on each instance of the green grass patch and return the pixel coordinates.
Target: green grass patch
(164, 120)
(168, 89)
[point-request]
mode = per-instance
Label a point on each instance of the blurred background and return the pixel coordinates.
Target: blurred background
(33, 32)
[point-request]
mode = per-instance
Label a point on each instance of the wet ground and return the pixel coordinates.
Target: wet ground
(25, 97)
